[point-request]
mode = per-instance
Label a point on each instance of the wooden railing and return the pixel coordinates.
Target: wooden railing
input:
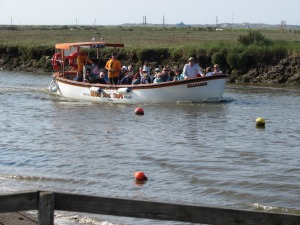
(47, 202)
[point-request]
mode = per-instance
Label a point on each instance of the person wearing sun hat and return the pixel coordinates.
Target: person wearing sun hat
(192, 69)
(145, 78)
(156, 74)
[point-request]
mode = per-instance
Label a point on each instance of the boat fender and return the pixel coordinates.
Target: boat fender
(124, 90)
(53, 87)
(95, 89)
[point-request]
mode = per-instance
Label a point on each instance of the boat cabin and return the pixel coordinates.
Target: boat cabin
(64, 61)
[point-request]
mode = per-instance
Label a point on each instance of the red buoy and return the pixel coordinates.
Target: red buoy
(140, 176)
(139, 111)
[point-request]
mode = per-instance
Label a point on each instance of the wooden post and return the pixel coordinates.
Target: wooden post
(46, 208)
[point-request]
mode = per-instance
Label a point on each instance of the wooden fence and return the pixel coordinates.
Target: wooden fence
(47, 202)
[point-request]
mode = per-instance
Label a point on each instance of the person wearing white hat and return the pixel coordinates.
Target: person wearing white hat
(156, 75)
(100, 79)
(192, 69)
(122, 73)
(146, 67)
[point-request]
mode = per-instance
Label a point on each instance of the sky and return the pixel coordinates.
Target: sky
(118, 12)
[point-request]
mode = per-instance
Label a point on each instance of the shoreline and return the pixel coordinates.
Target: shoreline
(284, 73)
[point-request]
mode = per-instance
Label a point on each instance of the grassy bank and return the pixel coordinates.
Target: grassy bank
(172, 45)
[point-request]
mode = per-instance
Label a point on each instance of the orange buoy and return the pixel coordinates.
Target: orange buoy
(140, 176)
(139, 111)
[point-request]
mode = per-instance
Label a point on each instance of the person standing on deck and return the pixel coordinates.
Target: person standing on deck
(82, 60)
(113, 67)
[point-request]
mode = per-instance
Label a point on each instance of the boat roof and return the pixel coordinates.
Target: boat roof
(94, 44)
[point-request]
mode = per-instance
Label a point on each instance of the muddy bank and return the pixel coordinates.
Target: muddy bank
(286, 72)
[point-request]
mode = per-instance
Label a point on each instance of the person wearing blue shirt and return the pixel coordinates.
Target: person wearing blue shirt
(78, 77)
(127, 79)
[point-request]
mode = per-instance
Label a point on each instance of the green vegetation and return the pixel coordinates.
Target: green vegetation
(238, 49)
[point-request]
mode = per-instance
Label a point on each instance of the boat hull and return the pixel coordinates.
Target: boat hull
(191, 90)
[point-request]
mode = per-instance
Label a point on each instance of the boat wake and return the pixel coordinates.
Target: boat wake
(213, 101)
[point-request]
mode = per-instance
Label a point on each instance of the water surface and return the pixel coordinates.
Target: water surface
(208, 153)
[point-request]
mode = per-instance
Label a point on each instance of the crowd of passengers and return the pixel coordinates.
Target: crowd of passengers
(114, 73)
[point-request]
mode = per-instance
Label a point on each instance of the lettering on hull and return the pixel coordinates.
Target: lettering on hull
(108, 95)
(197, 85)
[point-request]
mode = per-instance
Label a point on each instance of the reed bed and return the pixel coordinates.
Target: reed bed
(158, 44)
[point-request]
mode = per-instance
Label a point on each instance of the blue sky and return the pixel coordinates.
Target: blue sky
(88, 12)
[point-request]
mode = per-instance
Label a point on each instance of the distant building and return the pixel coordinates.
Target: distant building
(181, 24)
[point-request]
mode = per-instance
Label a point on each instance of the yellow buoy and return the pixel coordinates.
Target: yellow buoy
(260, 122)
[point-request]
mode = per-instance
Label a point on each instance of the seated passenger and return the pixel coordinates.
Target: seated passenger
(178, 75)
(100, 79)
(96, 71)
(137, 76)
(146, 67)
(171, 75)
(208, 72)
(145, 79)
(130, 69)
(217, 70)
(122, 73)
(156, 74)
(158, 79)
(87, 77)
(163, 76)
(79, 77)
(127, 79)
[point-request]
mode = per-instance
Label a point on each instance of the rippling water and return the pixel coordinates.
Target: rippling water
(206, 154)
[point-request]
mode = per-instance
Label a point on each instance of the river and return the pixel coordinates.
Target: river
(208, 153)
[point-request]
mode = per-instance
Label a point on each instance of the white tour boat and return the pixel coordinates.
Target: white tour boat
(191, 90)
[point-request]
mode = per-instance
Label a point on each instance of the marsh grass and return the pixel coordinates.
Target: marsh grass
(157, 44)
(131, 36)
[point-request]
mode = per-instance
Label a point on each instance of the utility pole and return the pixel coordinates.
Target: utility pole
(144, 21)
(232, 21)
(283, 26)
(11, 23)
(94, 24)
